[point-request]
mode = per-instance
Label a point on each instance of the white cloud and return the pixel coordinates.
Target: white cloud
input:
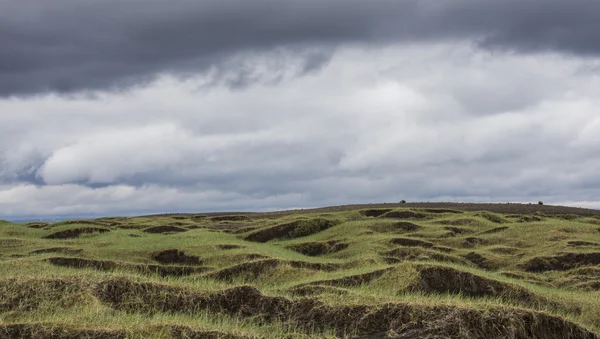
(419, 122)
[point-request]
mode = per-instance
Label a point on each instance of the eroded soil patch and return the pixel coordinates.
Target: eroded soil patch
(175, 256)
(165, 229)
(75, 232)
(314, 249)
(295, 229)
(562, 262)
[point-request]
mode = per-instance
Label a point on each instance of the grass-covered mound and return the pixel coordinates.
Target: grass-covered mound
(375, 271)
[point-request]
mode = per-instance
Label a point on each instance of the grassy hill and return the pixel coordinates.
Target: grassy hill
(362, 271)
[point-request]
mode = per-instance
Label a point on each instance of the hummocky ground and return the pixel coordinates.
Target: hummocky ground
(423, 270)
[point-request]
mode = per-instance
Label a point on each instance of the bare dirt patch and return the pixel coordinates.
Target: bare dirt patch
(375, 212)
(36, 224)
(481, 261)
(361, 320)
(175, 256)
(295, 229)
(405, 215)
(230, 218)
(228, 246)
(562, 262)
(66, 250)
(107, 265)
(165, 229)
(439, 279)
(492, 217)
(314, 249)
(75, 232)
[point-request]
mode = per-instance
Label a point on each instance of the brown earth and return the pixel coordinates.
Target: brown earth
(107, 265)
(362, 320)
(67, 250)
(295, 229)
(314, 249)
(165, 229)
(562, 262)
(75, 232)
(175, 256)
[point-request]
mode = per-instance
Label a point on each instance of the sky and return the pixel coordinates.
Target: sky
(124, 107)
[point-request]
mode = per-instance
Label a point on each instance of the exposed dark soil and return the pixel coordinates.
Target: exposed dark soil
(23, 295)
(107, 265)
(310, 314)
(439, 279)
(481, 261)
(562, 262)
(295, 229)
(228, 246)
(165, 229)
(529, 218)
(492, 217)
(405, 215)
(175, 256)
(37, 224)
(66, 250)
(375, 212)
(230, 218)
(75, 232)
(314, 249)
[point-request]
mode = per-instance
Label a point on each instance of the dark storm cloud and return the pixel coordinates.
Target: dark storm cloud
(72, 45)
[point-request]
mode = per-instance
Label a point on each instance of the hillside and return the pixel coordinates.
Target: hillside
(435, 270)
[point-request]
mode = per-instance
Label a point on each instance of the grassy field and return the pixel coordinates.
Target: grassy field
(368, 271)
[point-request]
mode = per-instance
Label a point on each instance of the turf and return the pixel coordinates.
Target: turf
(362, 271)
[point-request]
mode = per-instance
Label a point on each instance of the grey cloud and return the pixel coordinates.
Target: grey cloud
(72, 46)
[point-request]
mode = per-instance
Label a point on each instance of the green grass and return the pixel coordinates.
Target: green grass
(33, 292)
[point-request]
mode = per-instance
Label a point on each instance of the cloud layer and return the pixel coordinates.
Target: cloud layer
(125, 107)
(70, 46)
(419, 122)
